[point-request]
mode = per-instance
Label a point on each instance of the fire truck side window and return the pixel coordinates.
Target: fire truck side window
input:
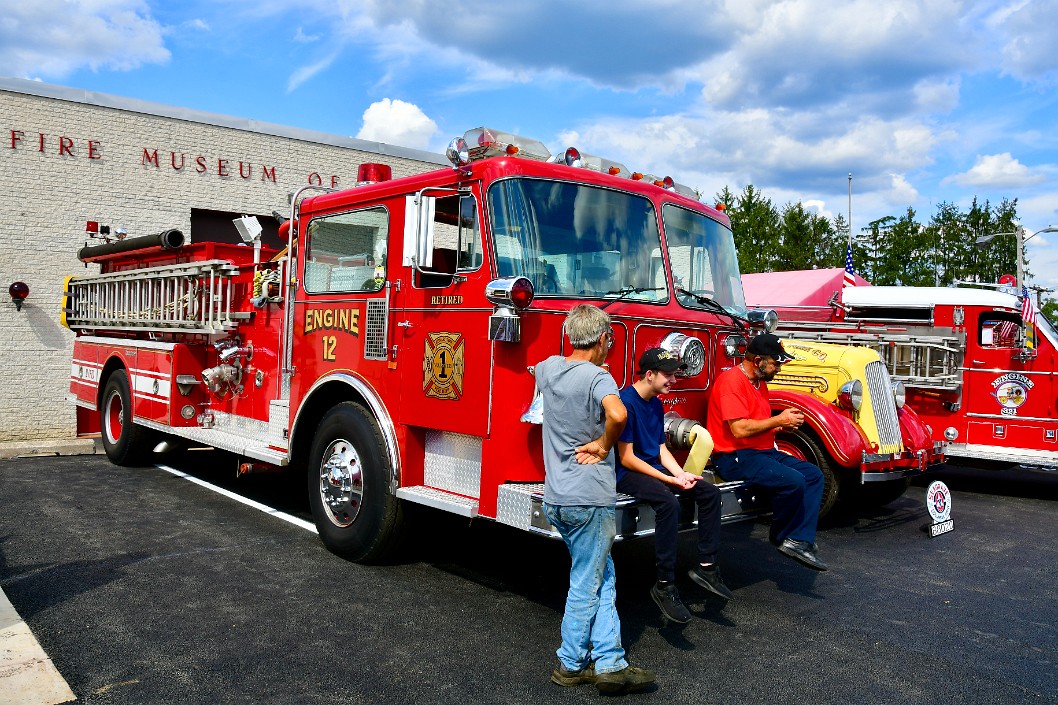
(999, 331)
(347, 252)
(457, 240)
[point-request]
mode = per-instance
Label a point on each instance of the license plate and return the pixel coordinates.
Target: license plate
(942, 527)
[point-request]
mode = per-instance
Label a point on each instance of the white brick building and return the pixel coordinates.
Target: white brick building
(68, 156)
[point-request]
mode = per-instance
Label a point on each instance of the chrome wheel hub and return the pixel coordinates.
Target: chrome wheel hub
(113, 418)
(341, 483)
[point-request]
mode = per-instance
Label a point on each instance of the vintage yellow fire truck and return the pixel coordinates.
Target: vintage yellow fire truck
(858, 430)
(386, 350)
(975, 370)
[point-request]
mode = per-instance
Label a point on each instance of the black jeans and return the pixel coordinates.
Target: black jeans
(661, 497)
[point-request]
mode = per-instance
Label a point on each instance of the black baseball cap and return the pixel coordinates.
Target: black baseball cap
(770, 345)
(659, 359)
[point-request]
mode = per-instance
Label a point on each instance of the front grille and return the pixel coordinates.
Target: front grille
(884, 405)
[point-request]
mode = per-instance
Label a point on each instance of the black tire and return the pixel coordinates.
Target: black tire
(349, 476)
(801, 445)
(879, 494)
(125, 442)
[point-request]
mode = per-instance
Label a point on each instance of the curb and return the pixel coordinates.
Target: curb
(44, 448)
(27, 675)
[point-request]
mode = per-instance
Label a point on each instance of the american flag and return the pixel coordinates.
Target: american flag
(1005, 335)
(850, 271)
(1028, 310)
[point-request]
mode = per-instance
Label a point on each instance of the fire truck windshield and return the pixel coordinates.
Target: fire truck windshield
(703, 259)
(576, 240)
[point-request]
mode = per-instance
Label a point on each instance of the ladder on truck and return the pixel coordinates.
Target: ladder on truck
(193, 297)
(922, 360)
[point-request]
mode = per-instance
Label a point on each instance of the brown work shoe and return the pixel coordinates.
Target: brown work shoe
(564, 677)
(628, 680)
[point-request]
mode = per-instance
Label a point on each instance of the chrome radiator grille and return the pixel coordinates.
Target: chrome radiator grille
(881, 391)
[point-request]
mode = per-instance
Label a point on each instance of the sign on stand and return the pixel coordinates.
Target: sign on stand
(938, 502)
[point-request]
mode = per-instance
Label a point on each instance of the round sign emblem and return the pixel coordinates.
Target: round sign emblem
(938, 501)
(1011, 395)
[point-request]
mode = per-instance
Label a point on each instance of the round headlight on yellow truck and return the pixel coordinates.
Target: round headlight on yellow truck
(850, 396)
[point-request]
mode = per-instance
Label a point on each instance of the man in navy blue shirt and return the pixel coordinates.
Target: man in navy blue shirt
(647, 471)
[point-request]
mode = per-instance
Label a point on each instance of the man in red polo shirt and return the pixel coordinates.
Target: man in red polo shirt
(743, 431)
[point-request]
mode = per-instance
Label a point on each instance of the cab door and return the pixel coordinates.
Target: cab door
(444, 354)
(345, 282)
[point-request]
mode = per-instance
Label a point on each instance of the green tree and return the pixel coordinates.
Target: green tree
(999, 257)
(805, 240)
(874, 243)
(755, 223)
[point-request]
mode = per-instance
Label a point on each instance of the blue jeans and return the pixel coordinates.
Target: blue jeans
(796, 486)
(591, 630)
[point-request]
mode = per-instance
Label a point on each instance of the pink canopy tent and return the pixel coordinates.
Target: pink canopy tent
(806, 287)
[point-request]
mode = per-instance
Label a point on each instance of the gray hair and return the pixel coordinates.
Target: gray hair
(585, 324)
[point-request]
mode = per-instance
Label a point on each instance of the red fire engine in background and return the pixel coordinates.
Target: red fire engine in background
(386, 350)
(979, 373)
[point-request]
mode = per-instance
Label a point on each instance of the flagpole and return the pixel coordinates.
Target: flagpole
(850, 210)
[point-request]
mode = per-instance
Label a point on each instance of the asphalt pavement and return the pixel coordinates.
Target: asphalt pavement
(143, 587)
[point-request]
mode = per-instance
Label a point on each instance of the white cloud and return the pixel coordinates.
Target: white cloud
(901, 193)
(996, 171)
(623, 43)
(302, 38)
(1027, 29)
(304, 73)
(55, 37)
(818, 207)
(937, 95)
(397, 122)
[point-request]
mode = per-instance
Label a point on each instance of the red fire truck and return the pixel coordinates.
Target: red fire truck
(974, 370)
(386, 351)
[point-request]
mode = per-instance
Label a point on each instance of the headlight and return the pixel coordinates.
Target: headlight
(689, 350)
(735, 346)
(766, 318)
(850, 396)
(899, 394)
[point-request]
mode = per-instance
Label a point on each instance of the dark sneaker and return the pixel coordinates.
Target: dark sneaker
(628, 680)
(561, 676)
(668, 599)
(802, 552)
(709, 578)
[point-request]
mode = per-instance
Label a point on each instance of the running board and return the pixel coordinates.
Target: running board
(521, 505)
(1025, 456)
(439, 499)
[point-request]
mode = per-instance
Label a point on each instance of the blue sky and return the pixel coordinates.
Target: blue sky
(923, 102)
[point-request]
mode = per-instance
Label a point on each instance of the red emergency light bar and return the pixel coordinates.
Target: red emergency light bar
(483, 142)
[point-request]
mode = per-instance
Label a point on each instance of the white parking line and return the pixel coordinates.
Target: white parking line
(308, 526)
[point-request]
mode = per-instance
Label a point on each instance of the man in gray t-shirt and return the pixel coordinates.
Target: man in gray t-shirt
(583, 416)
(573, 393)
